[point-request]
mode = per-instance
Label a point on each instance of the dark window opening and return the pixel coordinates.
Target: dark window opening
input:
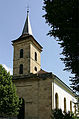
(21, 114)
(21, 53)
(56, 101)
(64, 104)
(35, 68)
(21, 69)
(74, 108)
(35, 56)
(70, 106)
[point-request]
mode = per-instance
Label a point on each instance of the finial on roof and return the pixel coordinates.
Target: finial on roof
(27, 9)
(27, 27)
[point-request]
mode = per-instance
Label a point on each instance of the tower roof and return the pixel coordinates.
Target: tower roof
(27, 33)
(27, 27)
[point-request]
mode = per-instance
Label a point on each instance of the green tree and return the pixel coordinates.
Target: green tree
(63, 18)
(58, 114)
(9, 101)
(69, 116)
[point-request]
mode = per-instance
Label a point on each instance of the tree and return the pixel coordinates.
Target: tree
(63, 18)
(9, 101)
(58, 114)
(69, 116)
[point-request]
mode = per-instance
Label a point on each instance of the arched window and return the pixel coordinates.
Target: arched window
(35, 68)
(21, 53)
(74, 108)
(21, 114)
(70, 106)
(64, 104)
(21, 69)
(35, 56)
(56, 101)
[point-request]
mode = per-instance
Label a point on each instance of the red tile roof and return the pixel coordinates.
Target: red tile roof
(42, 72)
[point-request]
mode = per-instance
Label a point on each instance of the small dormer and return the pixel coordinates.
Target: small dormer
(27, 52)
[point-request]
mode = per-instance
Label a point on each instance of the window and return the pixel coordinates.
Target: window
(35, 56)
(21, 69)
(64, 104)
(74, 108)
(56, 101)
(35, 68)
(21, 53)
(70, 106)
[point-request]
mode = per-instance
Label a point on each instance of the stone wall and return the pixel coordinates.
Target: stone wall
(37, 93)
(25, 60)
(34, 63)
(29, 47)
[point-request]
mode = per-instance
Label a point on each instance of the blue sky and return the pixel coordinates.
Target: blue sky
(12, 18)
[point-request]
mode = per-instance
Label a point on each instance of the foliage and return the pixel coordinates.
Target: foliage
(9, 101)
(63, 18)
(58, 114)
(69, 116)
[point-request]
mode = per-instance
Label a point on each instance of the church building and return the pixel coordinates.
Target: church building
(40, 91)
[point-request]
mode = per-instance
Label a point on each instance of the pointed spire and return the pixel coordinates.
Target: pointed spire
(27, 27)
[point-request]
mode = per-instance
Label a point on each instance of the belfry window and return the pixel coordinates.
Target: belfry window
(56, 101)
(21, 53)
(64, 104)
(35, 56)
(21, 69)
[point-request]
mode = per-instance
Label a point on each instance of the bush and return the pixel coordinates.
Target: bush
(58, 114)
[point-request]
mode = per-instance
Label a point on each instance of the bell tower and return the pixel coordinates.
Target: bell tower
(27, 52)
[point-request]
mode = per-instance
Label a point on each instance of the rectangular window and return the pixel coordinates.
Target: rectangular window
(21, 69)
(35, 56)
(21, 53)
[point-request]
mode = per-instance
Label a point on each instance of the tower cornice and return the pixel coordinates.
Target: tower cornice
(25, 37)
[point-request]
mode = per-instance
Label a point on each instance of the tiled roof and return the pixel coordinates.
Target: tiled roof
(42, 72)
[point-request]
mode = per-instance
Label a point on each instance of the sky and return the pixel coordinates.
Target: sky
(12, 18)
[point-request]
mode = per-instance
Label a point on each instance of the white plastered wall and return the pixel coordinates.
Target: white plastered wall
(62, 93)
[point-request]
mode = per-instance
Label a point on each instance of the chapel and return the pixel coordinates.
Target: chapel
(40, 91)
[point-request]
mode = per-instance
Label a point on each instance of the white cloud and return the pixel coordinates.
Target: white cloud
(8, 69)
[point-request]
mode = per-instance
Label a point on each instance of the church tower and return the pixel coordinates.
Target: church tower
(27, 52)
(39, 90)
